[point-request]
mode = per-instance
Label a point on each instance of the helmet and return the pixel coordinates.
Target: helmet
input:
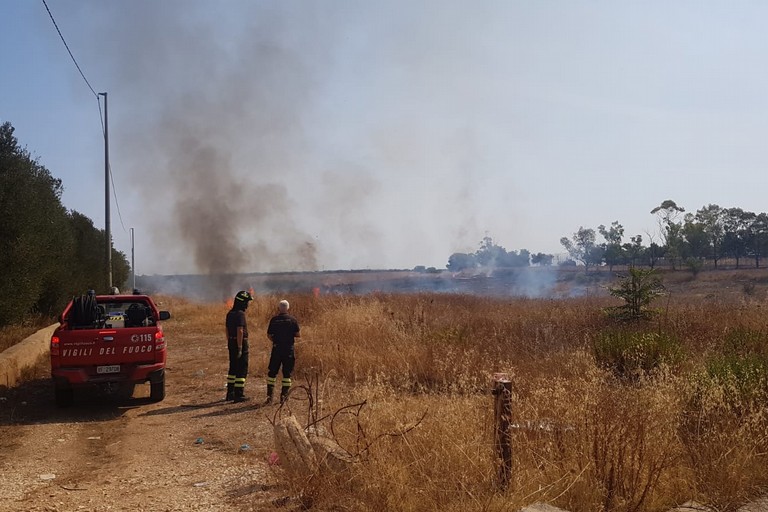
(243, 296)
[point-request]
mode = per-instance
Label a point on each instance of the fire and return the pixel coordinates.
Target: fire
(230, 303)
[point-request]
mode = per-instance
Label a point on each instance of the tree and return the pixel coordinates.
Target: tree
(459, 261)
(758, 237)
(737, 233)
(490, 254)
(88, 265)
(695, 242)
(517, 259)
(634, 250)
(581, 247)
(638, 289)
(712, 219)
(541, 259)
(613, 250)
(667, 213)
(33, 228)
(48, 254)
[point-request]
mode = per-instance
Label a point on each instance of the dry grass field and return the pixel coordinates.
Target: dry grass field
(608, 416)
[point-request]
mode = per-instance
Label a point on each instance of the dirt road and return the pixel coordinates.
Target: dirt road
(191, 451)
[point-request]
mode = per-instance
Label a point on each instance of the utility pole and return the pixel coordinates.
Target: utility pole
(107, 227)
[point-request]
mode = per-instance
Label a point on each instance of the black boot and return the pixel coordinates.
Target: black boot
(230, 393)
(284, 391)
(270, 390)
(239, 395)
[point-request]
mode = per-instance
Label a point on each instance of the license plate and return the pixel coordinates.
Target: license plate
(108, 369)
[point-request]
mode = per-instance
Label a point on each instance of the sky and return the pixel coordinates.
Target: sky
(258, 136)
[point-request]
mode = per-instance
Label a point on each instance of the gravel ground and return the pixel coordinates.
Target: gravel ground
(110, 453)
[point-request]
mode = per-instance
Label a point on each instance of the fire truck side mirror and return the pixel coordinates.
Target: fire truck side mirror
(165, 315)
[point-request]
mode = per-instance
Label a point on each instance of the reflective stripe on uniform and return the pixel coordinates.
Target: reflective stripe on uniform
(240, 382)
(286, 383)
(271, 380)
(230, 379)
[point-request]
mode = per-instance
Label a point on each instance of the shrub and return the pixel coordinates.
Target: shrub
(694, 265)
(741, 381)
(744, 341)
(631, 355)
(638, 290)
(725, 428)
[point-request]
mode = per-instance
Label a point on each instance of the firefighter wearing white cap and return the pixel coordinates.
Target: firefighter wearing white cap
(282, 330)
(237, 345)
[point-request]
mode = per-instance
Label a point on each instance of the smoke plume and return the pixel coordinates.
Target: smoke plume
(256, 138)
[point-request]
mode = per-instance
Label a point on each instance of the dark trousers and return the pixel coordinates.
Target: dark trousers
(281, 356)
(238, 366)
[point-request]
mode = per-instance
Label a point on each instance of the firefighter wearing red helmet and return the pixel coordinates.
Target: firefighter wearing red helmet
(237, 345)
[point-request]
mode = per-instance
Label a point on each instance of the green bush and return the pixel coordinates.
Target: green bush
(694, 265)
(741, 381)
(744, 341)
(632, 355)
(48, 253)
(638, 289)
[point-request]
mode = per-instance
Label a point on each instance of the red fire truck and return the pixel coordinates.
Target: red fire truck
(109, 341)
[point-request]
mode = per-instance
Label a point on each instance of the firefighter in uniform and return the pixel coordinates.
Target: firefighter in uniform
(282, 330)
(237, 345)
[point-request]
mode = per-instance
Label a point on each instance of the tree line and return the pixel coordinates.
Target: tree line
(48, 253)
(492, 255)
(684, 240)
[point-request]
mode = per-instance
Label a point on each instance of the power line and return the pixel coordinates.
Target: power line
(98, 100)
(101, 117)
(114, 194)
(68, 50)
(109, 166)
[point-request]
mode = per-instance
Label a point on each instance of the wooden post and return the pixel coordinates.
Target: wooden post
(502, 408)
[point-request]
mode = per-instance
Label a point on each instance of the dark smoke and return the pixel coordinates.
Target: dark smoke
(214, 138)
(278, 136)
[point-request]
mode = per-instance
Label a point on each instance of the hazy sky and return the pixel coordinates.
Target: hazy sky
(258, 136)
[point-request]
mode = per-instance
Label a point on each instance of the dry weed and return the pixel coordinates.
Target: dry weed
(583, 441)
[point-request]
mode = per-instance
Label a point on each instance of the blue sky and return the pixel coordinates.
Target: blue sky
(260, 136)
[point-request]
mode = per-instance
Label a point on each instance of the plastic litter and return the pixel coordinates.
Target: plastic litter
(199, 440)
(47, 476)
(244, 447)
(273, 459)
